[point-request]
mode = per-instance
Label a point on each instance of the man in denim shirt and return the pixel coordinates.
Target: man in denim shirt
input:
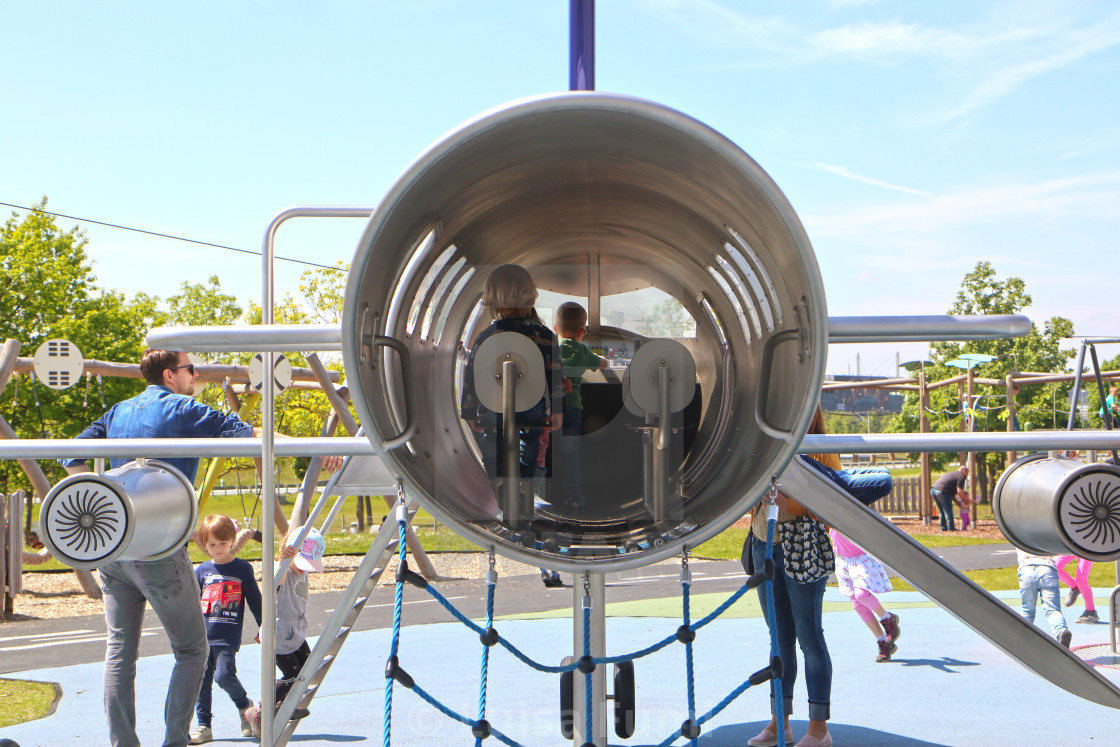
(166, 409)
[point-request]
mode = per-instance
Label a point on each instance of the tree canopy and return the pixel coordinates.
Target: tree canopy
(1039, 351)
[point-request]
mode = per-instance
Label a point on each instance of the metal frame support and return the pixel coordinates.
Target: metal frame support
(594, 585)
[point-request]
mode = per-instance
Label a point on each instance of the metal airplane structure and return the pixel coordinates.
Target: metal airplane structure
(598, 196)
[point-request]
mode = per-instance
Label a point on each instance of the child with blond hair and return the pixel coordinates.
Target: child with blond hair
(228, 583)
(509, 295)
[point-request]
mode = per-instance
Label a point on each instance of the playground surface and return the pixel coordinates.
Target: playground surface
(945, 686)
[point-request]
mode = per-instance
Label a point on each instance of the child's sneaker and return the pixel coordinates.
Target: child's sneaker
(886, 648)
(1065, 637)
(1090, 616)
(891, 627)
(201, 735)
(253, 716)
(1074, 593)
(246, 727)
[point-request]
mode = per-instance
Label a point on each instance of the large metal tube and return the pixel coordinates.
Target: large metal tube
(592, 191)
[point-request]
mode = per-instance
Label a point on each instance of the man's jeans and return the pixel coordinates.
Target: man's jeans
(945, 508)
(797, 616)
(221, 668)
(1042, 580)
(169, 585)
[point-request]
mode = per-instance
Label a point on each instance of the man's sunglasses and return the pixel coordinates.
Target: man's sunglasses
(188, 366)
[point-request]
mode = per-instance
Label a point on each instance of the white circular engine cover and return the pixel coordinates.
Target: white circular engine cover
(1089, 512)
(58, 363)
(86, 522)
(641, 378)
(488, 360)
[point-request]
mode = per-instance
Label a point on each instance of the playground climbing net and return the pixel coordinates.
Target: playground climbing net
(481, 728)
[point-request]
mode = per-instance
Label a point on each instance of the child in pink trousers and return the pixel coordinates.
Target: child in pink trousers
(861, 577)
(1078, 586)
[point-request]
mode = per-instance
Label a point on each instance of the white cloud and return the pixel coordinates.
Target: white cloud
(892, 38)
(841, 171)
(1046, 200)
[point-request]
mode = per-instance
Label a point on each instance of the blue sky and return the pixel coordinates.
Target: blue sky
(914, 139)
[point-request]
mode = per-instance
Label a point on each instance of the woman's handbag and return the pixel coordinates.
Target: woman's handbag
(806, 549)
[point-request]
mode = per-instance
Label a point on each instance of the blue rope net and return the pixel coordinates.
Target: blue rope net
(690, 729)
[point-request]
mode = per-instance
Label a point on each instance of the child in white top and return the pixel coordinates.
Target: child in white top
(292, 650)
(1038, 577)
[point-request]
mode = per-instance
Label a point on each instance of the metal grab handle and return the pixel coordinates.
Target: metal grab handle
(764, 385)
(409, 397)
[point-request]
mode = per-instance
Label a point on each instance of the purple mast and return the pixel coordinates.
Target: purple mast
(581, 45)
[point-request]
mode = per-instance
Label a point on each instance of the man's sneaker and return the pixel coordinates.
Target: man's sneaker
(886, 648)
(246, 727)
(1090, 616)
(1065, 637)
(891, 627)
(1074, 593)
(202, 735)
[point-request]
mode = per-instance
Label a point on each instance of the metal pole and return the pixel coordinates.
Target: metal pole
(1108, 424)
(594, 586)
(511, 463)
(581, 45)
(659, 463)
(925, 499)
(1076, 393)
(268, 489)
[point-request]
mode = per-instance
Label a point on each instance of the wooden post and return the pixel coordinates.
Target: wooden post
(424, 565)
(973, 478)
(925, 500)
(5, 535)
(1011, 387)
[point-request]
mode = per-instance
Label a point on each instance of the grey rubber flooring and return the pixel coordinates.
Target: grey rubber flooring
(945, 686)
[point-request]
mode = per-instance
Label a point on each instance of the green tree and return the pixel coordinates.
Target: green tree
(982, 292)
(199, 305)
(47, 290)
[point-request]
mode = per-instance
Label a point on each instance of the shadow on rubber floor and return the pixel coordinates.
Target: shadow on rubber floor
(736, 735)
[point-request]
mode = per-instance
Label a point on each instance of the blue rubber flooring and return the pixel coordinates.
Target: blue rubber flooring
(945, 686)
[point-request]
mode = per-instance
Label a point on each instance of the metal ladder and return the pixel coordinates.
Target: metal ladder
(337, 629)
(360, 475)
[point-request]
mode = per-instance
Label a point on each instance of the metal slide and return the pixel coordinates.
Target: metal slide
(959, 596)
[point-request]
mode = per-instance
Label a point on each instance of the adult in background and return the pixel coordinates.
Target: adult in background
(165, 409)
(949, 491)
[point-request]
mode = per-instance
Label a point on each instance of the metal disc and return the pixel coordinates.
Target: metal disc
(644, 371)
(58, 363)
(488, 359)
(281, 372)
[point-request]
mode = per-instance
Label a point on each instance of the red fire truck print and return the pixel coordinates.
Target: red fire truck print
(221, 597)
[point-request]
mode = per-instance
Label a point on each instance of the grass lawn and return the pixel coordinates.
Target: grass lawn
(22, 700)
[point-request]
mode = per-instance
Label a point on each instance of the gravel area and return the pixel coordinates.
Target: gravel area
(57, 594)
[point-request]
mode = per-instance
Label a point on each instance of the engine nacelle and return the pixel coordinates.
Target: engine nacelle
(1060, 506)
(138, 511)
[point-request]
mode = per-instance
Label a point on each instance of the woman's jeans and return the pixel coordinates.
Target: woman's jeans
(169, 585)
(222, 669)
(797, 616)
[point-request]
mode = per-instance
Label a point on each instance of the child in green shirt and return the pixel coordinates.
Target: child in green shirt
(571, 325)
